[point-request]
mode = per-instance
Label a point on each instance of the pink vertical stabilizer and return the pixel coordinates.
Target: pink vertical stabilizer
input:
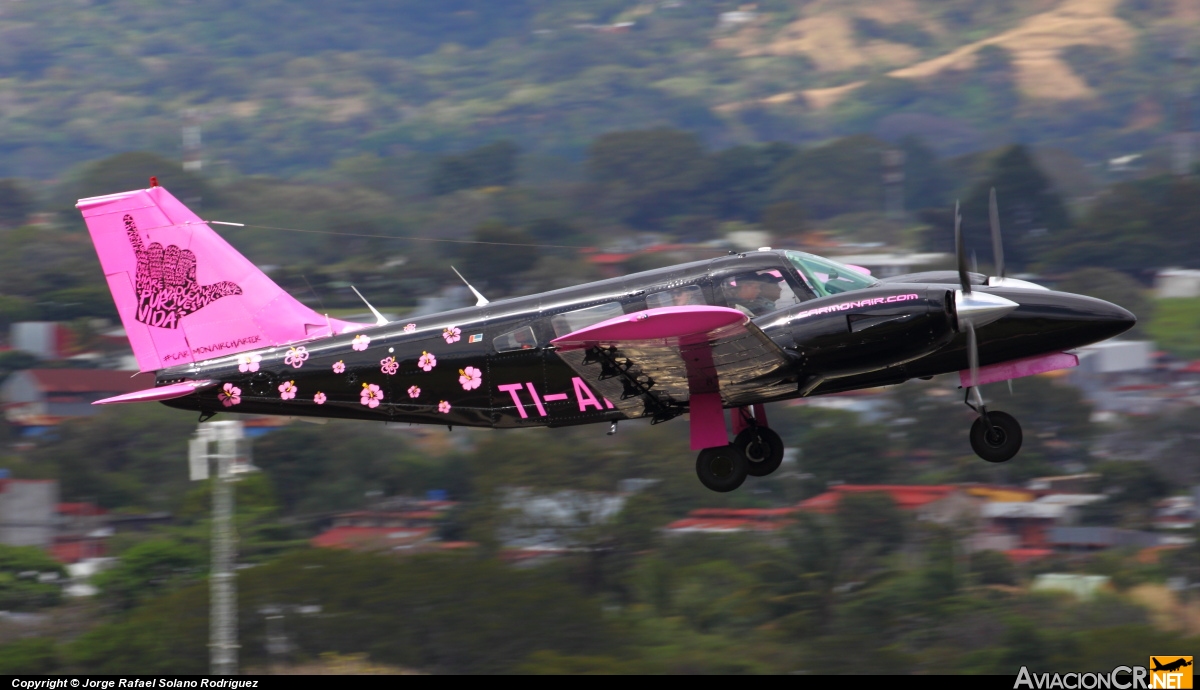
(184, 294)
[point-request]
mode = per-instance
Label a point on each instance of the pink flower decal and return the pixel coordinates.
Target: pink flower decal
(287, 390)
(444, 407)
(371, 395)
(360, 342)
(452, 334)
(319, 398)
(470, 378)
(427, 361)
(248, 363)
(410, 327)
(339, 366)
(389, 365)
(230, 395)
(413, 391)
(296, 356)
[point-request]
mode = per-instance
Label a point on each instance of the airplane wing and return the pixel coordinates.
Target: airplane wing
(650, 363)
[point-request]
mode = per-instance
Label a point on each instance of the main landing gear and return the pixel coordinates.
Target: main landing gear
(756, 451)
(995, 436)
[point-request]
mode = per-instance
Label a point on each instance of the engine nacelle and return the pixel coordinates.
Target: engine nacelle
(868, 330)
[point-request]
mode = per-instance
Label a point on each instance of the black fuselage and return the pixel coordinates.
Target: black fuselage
(884, 334)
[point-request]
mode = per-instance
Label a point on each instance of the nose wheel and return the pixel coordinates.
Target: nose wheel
(995, 436)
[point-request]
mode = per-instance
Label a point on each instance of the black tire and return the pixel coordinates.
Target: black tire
(721, 469)
(1002, 442)
(762, 448)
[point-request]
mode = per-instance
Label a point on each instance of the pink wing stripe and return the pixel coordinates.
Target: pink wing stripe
(175, 390)
(654, 324)
(1020, 367)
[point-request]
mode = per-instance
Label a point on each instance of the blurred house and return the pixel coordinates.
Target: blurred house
(46, 340)
(1081, 586)
(553, 522)
(82, 532)
(1086, 539)
(45, 397)
(28, 511)
(1177, 282)
(405, 526)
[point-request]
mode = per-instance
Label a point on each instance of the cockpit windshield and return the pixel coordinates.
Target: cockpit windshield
(828, 277)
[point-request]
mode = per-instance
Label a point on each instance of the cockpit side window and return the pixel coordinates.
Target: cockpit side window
(755, 293)
(675, 297)
(827, 276)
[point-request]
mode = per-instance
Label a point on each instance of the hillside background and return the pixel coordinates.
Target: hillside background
(286, 86)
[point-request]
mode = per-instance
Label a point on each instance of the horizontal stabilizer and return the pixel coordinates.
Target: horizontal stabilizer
(169, 392)
(662, 324)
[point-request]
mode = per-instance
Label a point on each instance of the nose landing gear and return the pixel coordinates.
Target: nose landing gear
(995, 436)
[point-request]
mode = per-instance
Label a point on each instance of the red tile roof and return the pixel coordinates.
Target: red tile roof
(723, 525)
(368, 537)
(906, 497)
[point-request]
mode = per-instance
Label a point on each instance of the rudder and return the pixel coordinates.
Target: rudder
(183, 293)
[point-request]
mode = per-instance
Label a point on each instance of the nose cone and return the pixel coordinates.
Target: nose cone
(1061, 320)
(1103, 319)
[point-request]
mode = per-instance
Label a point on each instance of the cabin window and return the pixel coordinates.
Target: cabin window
(571, 321)
(675, 297)
(520, 339)
(755, 293)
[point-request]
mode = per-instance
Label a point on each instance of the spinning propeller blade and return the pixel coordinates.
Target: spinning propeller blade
(959, 252)
(997, 241)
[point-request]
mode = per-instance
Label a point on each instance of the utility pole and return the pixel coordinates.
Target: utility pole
(224, 443)
(1182, 136)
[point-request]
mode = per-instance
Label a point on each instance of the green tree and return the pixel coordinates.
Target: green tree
(843, 176)
(503, 254)
(855, 453)
(647, 176)
(926, 181)
(16, 203)
(492, 165)
(1032, 213)
(133, 170)
(29, 578)
(148, 570)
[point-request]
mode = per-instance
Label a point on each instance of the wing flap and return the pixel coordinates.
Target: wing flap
(651, 362)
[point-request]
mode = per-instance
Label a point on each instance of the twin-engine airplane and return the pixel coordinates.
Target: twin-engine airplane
(730, 333)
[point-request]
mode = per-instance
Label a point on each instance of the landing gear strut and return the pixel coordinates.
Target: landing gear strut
(995, 436)
(756, 450)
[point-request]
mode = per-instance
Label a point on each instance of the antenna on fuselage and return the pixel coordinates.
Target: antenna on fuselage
(480, 300)
(379, 320)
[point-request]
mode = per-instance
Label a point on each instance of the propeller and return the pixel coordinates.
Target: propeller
(963, 279)
(997, 242)
(974, 309)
